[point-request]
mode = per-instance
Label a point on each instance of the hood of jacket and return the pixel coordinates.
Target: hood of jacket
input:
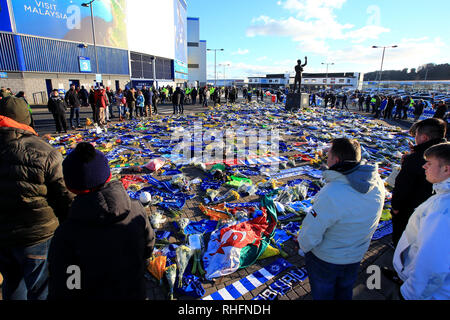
(362, 177)
(442, 187)
(108, 205)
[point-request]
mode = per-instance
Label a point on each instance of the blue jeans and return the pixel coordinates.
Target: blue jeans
(75, 111)
(25, 272)
(330, 281)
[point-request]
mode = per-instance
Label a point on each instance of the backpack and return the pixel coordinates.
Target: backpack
(124, 100)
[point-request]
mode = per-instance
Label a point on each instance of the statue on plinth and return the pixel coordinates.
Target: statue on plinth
(298, 74)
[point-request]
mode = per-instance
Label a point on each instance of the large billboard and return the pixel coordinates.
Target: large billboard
(180, 30)
(68, 20)
(5, 21)
(151, 27)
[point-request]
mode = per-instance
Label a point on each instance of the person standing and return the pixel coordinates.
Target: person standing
(101, 103)
(181, 104)
(398, 108)
(422, 258)
(140, 104)
(418, 109)
(194, 94)
(176, 97)
(360, 103)
(155, 99)
(119, 103)
(34, 201)
(57, 106)
(206, 96)
(441, 110)
(336, 233)
(200, 95)
(333, 100)
(389, 107)
(73, 101)
(109, 240)
(411, 187)
(92, 103)
(84, 96)
(344, 102)
(368, 102)
(147, 101)
(327, 99)
(313, 100)
(131, 101)
(110, 94)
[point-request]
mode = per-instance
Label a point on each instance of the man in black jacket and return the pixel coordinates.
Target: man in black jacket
(73, 101)
(411, 187)
(107, 237)
(34, 200)
(360, 103)
(131, 102)
(441, 110)
(194, 94)
(57, 106)
(84, 95)
(389, 107)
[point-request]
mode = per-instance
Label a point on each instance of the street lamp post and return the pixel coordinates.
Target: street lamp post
(215, 64)
(382, 61)
(224, 65)
(89, 4)
(330, 63)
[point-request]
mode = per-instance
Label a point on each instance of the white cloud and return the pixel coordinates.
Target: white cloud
(312, 25)
(410, 53)
(241, 52)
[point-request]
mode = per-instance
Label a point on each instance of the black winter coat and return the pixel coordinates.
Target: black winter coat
(441, 110)
(109, 237)
(411, 187)
(72, 99)
(33, 194)
(57, 105)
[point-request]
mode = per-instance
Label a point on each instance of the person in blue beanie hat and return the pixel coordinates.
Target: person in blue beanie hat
(107, 236)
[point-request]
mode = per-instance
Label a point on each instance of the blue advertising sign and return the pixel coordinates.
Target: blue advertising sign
(3, 75)
(85, 64)
(180, 69)
(68, 20)
(180, 30)
(5, 21)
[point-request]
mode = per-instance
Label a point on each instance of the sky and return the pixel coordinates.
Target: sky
(269, 36)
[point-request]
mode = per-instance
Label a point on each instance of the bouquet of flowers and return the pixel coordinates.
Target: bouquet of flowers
(157, 267)
(171, 274)
(184, 254)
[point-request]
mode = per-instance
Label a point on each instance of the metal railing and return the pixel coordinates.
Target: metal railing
(40, 98)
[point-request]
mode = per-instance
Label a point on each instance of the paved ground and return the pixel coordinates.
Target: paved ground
(380, 252)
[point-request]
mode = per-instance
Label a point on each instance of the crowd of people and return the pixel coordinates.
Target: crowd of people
(381, 106)
(48, 203)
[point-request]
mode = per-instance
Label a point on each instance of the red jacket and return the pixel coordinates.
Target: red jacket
(101, 99)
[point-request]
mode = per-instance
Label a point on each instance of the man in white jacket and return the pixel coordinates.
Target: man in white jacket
(422, 256)
(336, 234)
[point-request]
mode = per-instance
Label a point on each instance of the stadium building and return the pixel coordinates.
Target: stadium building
(50, 45)
(196, 53)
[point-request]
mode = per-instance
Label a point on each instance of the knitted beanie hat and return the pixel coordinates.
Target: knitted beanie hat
(16, 109)
(85, 169)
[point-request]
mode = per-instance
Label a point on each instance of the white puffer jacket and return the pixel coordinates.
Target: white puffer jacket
(422, 256)
(345, 215)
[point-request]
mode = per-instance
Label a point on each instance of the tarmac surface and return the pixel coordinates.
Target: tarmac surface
(379, 254)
